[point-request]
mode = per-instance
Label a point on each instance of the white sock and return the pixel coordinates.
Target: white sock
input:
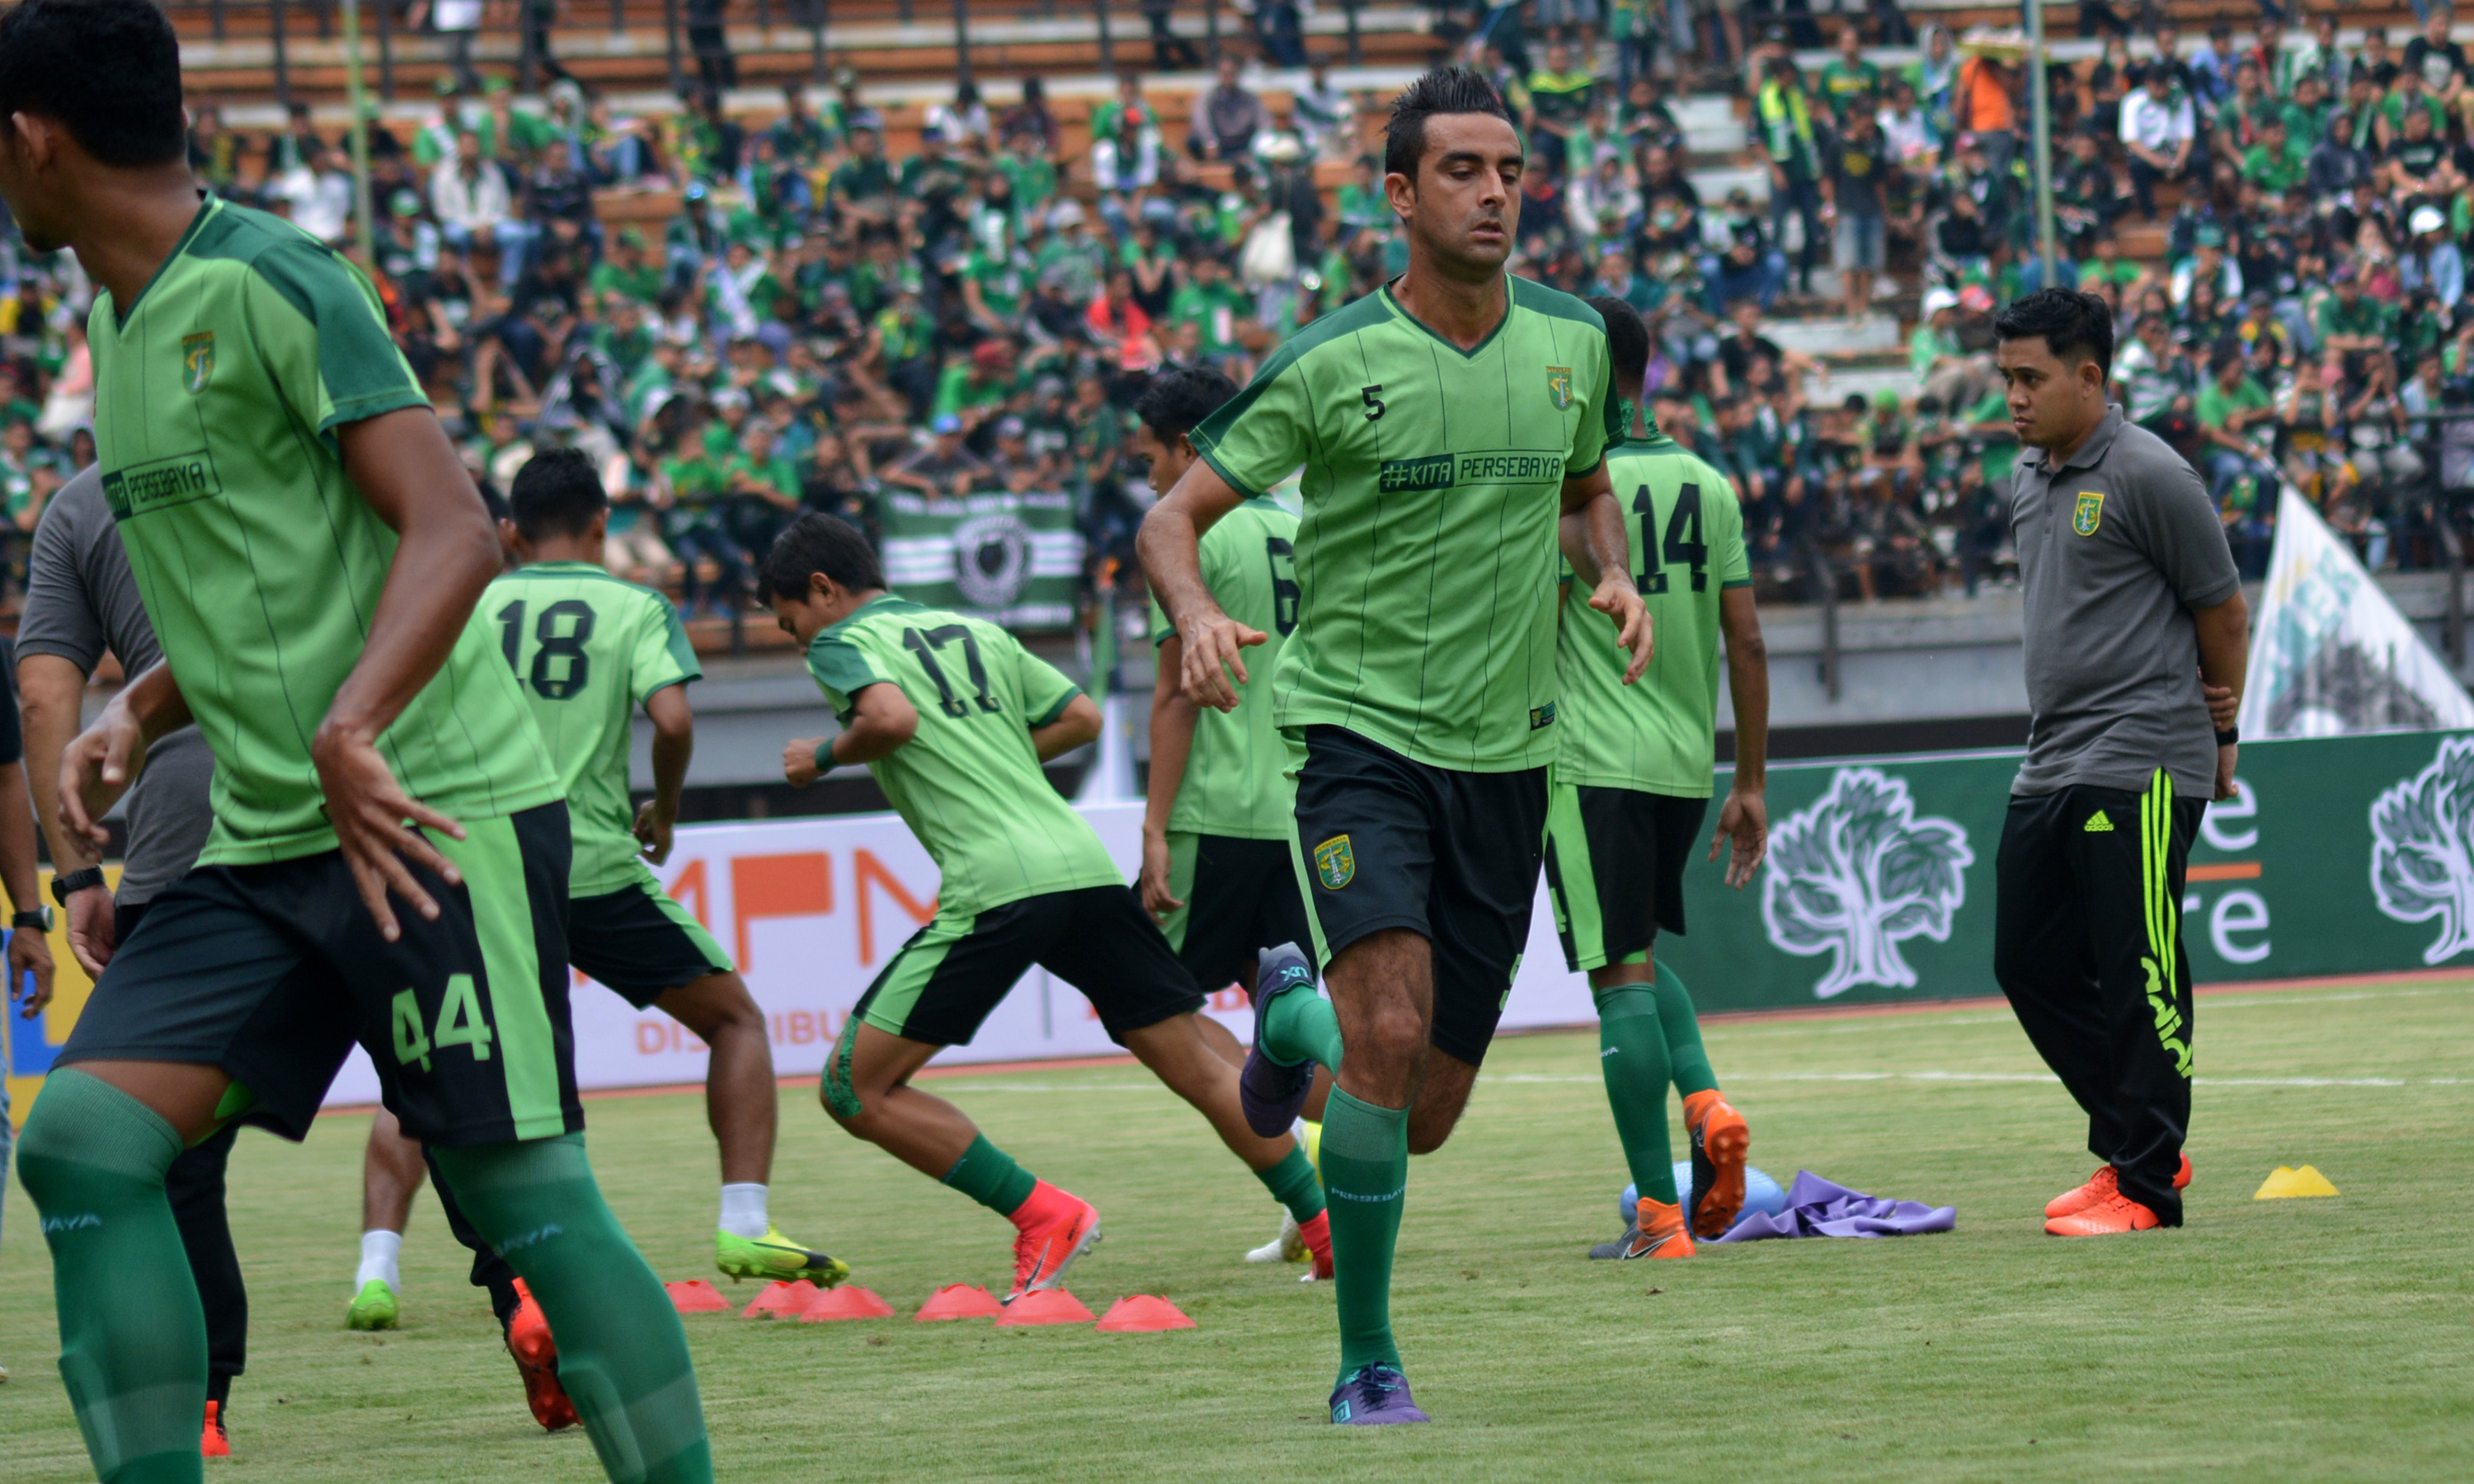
(742, 1211)
(378, 1251)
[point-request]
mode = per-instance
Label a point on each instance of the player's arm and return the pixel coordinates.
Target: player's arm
(50, 688)
(1172, 718)
(1169, 547)
(673, 745)
(1592, 534)
(103, 761)
(445, 553)
(881, 719)
(2225, 661)
(29, 953)
(1069, 728)
(1744, 817)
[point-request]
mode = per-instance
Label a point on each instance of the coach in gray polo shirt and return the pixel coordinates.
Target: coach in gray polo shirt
(2131, 600)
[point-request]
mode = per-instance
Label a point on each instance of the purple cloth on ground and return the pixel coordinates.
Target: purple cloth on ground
(1819, 1208)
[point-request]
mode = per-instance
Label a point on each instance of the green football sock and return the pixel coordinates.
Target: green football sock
(132, 1333)
(1366, 1172)
(1292, 1183)
(1300, 1026)
(988, 1175)
(1632, 1056)
(1684, 1051)
(622, 1355)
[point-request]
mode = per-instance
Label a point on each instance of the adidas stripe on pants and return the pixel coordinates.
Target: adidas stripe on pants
(2088, 947)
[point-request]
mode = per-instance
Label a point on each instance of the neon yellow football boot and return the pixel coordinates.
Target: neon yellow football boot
(775, 1256)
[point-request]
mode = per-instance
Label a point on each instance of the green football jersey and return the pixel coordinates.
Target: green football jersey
(1660, 734)
(1432, 486)
(1236, 782)
(968, 783)
(217, 396)
(587, 649)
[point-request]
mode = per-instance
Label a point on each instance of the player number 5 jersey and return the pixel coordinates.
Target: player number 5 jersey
(588, 648)
(1658, 735)
(968, 783)
(1432, 484)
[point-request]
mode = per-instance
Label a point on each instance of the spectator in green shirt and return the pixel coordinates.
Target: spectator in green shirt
(2278, 162)
(1560, 97)
(1361, 201)
(1215, 306)
(860, 188)
(1848, 79)
(973, 390)
(2354, 326)
(2229, 405)
(763, 486)
(624, 272)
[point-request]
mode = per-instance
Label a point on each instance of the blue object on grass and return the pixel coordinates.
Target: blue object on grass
(1761, 1193)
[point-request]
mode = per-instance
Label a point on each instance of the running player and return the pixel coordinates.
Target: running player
(388, 860)
(588, 648)
(952, 717)
(1216, 809)
(1452, 427)
(1632, 782)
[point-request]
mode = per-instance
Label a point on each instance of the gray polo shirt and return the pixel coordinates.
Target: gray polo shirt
(80, 601)
(2114, 550)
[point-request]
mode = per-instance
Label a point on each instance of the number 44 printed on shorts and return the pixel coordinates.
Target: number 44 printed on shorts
(459, 1024)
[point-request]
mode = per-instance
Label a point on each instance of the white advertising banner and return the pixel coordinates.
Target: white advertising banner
(813, 908)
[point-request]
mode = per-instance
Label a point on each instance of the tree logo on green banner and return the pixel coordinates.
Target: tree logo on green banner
(1857, 872)
(2422, 850)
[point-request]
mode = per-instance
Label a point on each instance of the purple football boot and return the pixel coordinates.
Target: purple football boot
(1372, 1396)
(1270, 1094)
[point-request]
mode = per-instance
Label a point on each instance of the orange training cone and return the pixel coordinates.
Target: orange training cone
(696, 1296)
(848, 1302)
(960, 1300)
(1142, 1314)
(1045, 1306)
(790, 1300)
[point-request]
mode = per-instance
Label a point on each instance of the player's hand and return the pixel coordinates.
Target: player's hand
(1619, 600)
(29, 953)
(375, 824)
(653, 831)
(1153, 884)
(94, 932)
(98, 767)
(1745, 819)
(1212, 643)
(2225, 706)
(799, 761)
(2226, 788)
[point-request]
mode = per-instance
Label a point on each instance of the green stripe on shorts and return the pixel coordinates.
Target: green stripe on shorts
(680, 918)
(492, 862)
(1573, 884)
(897, 990)
(1320, 949)
(1182, 844)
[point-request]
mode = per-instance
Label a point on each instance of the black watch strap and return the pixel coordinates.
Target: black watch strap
(66, 887)
(39, 919)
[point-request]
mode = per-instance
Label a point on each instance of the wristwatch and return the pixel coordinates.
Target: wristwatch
(64, 887)
(38, 918)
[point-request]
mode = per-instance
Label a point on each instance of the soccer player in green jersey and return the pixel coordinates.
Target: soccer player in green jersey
(953, 718)
(389, 855)
(1633, 767)
(1217, 810)
(1452, 426)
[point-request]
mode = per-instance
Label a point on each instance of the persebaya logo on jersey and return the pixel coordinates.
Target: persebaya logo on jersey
(1558, 387)
(2089, 513)
(198, 358)
(178, 480)
(1335, 864)
(1484, 467)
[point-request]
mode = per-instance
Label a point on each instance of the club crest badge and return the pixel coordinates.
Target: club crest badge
(1335, 864)
(2089, 512)
(1558, 387)
(198, 358)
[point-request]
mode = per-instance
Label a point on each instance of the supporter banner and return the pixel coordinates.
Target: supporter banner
(1010, 559)
(2332, 656)
(2345, 855)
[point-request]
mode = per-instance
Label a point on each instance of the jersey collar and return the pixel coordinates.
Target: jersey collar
(881, 603)
(207, 206)
(1473, 352)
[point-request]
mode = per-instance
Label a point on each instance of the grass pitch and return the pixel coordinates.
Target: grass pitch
(2267, 1340)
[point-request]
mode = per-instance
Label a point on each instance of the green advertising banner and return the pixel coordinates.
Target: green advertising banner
(2343, 855)
(1010, 559)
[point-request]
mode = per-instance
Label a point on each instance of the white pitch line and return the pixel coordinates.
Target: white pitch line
(2045, 1077)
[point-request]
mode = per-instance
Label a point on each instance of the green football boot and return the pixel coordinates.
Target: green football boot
(775, 1256)
(373, 1307)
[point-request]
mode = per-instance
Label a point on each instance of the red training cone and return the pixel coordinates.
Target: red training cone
(781, 1299)
(696, 1296)
(1142, 1314)
(849, 1302)
(960, 1300)
(1045, 1306)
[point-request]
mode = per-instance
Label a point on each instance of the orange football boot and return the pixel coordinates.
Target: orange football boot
(1056, 1228)
(1657, 1231)
(1720, 1141)
(2100, 1184)
(1317, 1236)
(2111, 1216)
(536, 1353)
(216, 1440)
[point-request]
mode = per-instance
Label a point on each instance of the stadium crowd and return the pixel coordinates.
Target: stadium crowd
(823, 324)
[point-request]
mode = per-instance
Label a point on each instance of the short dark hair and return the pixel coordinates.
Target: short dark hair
(108, 70)
(817, 542)
(1177, 401)
(2074, 324)
(1627, 340)
(556, 493)
(1441, 90)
